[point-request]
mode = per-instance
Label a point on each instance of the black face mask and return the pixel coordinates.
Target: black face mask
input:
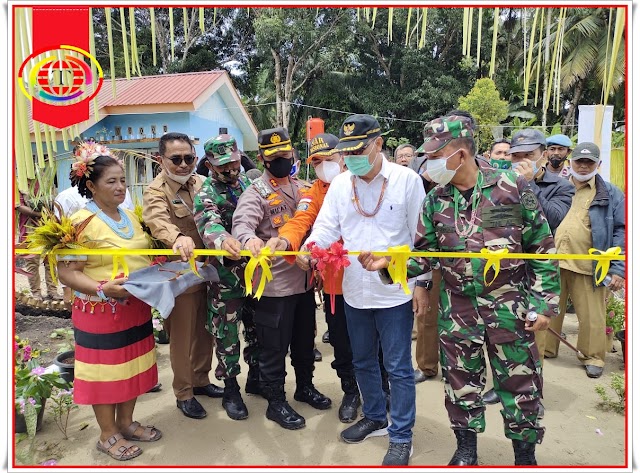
(228, 177)
(556, 161)
(280, 167)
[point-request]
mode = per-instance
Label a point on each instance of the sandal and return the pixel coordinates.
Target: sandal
(149, 433)
(125, 449)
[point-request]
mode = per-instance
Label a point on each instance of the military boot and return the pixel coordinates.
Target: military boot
(232, 400)
(525, 452)
(467, 451)
(279, 409)
(309, 394)
(348, 411)
(253, 381)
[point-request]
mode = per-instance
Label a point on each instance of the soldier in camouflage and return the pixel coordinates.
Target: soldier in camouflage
(227, 305)
(477, 207)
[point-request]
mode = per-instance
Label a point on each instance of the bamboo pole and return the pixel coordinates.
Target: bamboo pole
(553, 63)
(201, 13)
(527, 70)
(153, 32)
(470, 32)
(606, 56)
(496, 17)
(135, 62)
(406, 39)
(465, 27)
(539, 60)
(479, 37)
(171, 32)
(94, 71)
(617, 41)
(390, 26)
(423, 37)
(125, 47)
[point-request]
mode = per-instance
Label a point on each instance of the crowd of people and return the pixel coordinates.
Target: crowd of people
(531, 194)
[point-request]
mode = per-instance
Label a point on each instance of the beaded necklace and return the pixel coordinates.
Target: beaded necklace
(477, 193)
(356, 199)
(123, 228)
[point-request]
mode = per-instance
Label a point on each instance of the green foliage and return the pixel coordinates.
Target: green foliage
(615, 314)
(67, 339)
(486, 106)
(615, 402)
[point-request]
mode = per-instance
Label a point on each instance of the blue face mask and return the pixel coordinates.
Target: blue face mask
(359, 164)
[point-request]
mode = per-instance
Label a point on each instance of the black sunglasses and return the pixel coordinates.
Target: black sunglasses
(187, 158)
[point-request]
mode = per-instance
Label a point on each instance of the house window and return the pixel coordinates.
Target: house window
(153, 131)
(118, 133)
(130, 133)
(165, 128)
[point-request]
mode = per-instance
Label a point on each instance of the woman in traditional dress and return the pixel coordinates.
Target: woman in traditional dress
(115, 349)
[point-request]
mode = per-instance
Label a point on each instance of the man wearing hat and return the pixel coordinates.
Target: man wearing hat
(373, 207)
(558, 149)
(596, 220)
(476, 207)
(285, 314)
(227, 305)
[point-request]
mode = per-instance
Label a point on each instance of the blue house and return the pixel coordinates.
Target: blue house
(199, 104)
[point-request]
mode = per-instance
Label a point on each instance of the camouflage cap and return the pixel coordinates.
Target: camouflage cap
(221, 150)
(439, 132)
(274, 140)
(322, 145)
(586, 149)
(356, 132)
(527, 140)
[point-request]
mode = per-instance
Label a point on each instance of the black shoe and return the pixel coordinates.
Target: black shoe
(325, 337)
(156, 388)
(398, 454)
(594, 371)
(348, 411)
(284, 415)
(232, 400)
(192, 408)
(490, 397)
(317, 356)
(467, 451)
(525, 452)
(253, 381)
(363, 429)
(419, 376)
(210, 390)
(313, 397)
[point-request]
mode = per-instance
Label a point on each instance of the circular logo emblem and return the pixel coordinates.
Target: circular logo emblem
(57, 77)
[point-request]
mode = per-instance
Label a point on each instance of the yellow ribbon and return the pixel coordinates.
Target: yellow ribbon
(264, 261)
(398, 265)
(194, 267)
(493, 262)
(119, 260)
(602, 268)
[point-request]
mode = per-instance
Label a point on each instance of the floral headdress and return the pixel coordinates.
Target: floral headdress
(85, 155)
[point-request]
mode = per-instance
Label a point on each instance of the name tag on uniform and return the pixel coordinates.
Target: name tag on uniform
(176, 201)
(442, 228)
(502, 216)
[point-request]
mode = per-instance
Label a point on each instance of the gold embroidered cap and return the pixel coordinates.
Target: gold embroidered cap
(322, 145)
(274, 140)
(357, 131)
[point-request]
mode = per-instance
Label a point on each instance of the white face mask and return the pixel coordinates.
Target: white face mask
(328, 170)
(438, 172)
(582, 177)
(175, 177)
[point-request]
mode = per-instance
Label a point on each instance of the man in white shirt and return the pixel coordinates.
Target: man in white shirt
(372, 207)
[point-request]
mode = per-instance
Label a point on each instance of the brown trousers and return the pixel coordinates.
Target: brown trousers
(190, 344)
(33, 265)
(427, 341)
(590, 309)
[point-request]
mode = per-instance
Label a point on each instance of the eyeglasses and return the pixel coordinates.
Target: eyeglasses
(177, 159)
(405, 156)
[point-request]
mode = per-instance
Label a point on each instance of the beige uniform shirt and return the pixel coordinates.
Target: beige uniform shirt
(574, 233)
(262, 209)
(168, 211)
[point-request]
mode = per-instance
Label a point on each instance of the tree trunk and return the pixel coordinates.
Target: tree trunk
(545, 85)
(570, 119)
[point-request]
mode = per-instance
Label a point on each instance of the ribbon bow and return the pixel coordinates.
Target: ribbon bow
(493, 262)
(119, 260)
(264, 261)
(602, 268)
(398, 265)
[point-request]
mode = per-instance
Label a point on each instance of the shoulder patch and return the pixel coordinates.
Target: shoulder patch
(262, 188)
(303, 206)
(529, 200)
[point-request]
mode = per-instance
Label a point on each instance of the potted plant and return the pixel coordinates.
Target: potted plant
(65, 359)
(159, 331)
(615, 320)
(33, 387)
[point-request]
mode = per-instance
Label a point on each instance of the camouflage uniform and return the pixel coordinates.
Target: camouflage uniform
(508, 216)
(226, 302)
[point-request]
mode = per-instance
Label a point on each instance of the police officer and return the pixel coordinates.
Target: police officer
(475, 207)
(285, 314)
(227, 305)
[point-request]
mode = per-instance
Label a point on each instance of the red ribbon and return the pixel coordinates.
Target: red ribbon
(330, 261)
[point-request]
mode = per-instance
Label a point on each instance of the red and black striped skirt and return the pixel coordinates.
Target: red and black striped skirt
(115, 359)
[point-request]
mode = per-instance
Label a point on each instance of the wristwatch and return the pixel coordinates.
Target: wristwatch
(428, 284)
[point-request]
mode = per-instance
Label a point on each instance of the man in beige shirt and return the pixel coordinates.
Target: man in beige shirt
(168, 212)
(285, 314)
(596, 219)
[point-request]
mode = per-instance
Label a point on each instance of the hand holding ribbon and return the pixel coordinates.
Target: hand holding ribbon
(602, 267)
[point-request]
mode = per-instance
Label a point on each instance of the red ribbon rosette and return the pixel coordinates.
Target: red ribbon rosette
(329, 262)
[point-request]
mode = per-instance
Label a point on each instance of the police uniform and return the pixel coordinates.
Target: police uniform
(285, 314)
(472, 313)
(227, 305)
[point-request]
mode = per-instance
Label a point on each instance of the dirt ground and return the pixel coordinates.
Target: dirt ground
(578, 433)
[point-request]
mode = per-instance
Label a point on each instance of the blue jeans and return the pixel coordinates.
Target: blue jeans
(391, 327)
